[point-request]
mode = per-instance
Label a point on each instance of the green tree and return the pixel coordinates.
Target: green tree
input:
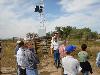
(64, 31)
(60, 31)
(94, 35)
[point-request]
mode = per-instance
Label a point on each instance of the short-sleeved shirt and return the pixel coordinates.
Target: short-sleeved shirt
(62, 51)
(52, 41)
(83, 56)
(55, 45)
(71, 65)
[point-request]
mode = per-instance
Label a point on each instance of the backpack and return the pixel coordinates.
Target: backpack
(98, 60)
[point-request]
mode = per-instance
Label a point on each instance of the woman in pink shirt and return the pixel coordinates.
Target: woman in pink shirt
(62, 48)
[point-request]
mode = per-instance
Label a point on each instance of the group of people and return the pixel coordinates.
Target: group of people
(71, 65)
(27, 60)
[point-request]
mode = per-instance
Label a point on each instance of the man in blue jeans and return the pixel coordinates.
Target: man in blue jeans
(55, 46)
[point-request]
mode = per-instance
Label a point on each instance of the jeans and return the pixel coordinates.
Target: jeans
(31, 72)
(56, 57)
(86, 73)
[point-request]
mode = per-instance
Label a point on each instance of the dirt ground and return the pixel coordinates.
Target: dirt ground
(46, 67)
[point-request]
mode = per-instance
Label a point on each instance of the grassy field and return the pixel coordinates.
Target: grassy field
(9, 60)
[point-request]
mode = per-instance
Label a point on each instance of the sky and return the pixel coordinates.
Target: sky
(17, 17)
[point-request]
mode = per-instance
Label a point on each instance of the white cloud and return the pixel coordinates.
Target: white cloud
(76, 5)
(82, 13)
(96, 13)
(74, 20)
(18, 27)
(17, 17)
(78, 20)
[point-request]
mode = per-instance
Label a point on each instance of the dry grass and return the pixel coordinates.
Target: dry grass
(93, 49)
(8, 59)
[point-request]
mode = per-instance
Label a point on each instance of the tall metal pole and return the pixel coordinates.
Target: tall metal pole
(42, 15)
(40, 9)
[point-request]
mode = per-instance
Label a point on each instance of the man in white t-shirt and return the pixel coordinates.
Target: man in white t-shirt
(52, 41)
(55, 46)
(69, 63)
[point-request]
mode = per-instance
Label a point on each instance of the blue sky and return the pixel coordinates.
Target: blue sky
(52, 7)
(17, 17)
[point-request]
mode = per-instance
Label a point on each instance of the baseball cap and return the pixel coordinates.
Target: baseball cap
(70, 48)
